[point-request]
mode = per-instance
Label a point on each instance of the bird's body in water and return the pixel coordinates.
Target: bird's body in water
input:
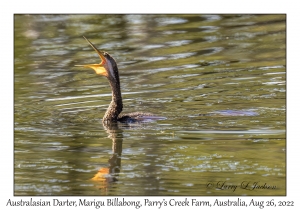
(108, 68)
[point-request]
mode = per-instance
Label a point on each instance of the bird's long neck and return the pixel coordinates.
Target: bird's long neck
(116, 105)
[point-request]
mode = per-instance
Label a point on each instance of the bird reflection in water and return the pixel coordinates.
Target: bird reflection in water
(106, 176)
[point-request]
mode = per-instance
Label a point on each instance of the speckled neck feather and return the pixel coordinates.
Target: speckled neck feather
(116, 105)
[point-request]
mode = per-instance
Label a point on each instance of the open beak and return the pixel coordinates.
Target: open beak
(99, 68)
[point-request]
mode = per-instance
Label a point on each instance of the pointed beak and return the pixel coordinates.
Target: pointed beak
(99, 68)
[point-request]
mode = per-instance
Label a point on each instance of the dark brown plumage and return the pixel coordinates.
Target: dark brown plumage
(108, 68)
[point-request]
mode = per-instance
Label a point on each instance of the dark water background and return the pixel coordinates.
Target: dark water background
(220, 80)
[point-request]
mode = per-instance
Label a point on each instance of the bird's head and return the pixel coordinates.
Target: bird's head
(107, 67)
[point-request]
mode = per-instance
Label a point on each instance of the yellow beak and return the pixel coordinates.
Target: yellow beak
(99, 68)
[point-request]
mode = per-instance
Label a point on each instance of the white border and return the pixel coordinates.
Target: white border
(9, 8)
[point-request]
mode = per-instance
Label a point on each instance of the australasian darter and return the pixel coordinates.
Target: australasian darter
(108, 68)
